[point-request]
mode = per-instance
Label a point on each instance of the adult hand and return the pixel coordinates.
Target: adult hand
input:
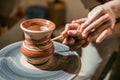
(72, 34)
(99, 23)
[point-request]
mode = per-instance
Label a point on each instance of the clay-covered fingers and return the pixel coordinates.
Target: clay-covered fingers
(65, 40)
(86, 43)
(78, 40)
(79, 21)
(74, 33)
(81, 43)
(95, 24)
(69, 40)
(68, 28)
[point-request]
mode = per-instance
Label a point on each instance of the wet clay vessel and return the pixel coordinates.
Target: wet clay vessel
(37, 46)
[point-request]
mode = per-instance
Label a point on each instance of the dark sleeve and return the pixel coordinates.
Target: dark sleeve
(103, 1)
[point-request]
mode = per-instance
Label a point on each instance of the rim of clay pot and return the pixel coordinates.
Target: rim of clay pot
(47, 22)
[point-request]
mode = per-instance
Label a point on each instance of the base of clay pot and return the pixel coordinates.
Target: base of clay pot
(38, 61)
(45, 65)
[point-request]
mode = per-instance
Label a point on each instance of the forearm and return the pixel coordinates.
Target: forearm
(114, 6)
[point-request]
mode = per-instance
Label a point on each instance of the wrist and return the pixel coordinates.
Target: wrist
(108, 7)
(114, 7)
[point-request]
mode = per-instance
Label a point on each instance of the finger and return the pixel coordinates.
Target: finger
(79, 21)
(79, 43)
(112, 16)
(103, 35)
(85, 44)
(99, 30)
(95, 25)
(72, 26)
(91, 17)
(96, 13)
(74, 33)
(65, 30)
(71, 40)
(65, 41)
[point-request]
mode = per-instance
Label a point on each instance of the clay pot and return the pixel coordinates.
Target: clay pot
(37, 46)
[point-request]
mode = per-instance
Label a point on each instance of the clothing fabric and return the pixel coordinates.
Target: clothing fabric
(103, 1)
(90, 60)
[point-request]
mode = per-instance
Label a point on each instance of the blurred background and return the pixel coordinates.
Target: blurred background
(58, 11)
(12, 12)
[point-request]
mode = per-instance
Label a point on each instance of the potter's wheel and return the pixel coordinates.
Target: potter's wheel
(65, 64)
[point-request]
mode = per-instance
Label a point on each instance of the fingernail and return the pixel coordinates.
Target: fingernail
(72, 32)
(63, 42)
(82, 25)
(98, 41)
(84, 35)
(73, 21)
